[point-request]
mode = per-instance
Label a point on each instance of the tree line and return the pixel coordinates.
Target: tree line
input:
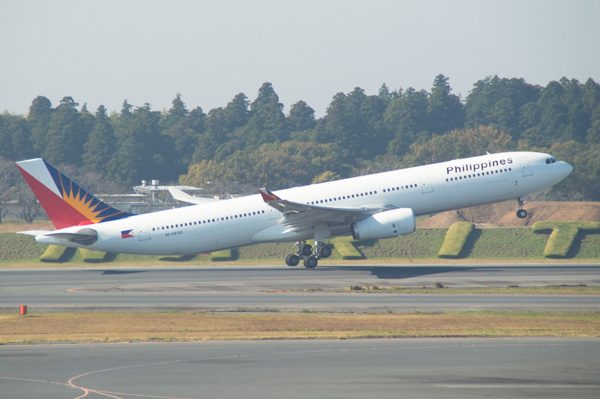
(248, 144)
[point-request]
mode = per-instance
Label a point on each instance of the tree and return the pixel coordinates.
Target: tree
(142, 151)
(459, 144)
(406, 118)
(386, 95)
(30, 207)
(267, 122)
(302, 117)
(184, 129)
(87, 121)
(9, 179)
(236, 113)
(66, 136)
(446, 111)
(40, 114)
(553, 115)
(101, 143)
(277, 165)
(583, 181)
(15, 137)
(499, 102)
(354, 123)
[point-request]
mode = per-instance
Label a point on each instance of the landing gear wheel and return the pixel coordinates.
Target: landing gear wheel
(292, 260)
(311, 262)
(303, 249)
(306, 250)
(324, 252)
(521, 213)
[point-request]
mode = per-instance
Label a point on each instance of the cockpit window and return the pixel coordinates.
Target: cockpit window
(550, 160)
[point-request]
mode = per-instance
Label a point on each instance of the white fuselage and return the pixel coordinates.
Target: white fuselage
(249, 220)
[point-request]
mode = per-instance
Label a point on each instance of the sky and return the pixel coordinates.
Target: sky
(103, 52)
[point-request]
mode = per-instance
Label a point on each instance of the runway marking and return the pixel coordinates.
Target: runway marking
(111, 394)
(524, 385)
(33, 380)
(87, 391)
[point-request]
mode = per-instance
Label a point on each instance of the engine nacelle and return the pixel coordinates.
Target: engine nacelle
(385, 224)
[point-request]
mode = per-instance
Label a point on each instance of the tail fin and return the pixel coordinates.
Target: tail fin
(66, 203)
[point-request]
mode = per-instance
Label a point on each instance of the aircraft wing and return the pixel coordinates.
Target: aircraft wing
(182, 196)
(298, 216)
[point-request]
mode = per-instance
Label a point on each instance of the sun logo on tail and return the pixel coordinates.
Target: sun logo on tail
(81, 200)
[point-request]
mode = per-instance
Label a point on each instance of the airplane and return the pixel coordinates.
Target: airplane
(374, 206)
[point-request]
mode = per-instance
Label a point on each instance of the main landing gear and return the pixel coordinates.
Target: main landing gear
(521, 213)
(308, 254)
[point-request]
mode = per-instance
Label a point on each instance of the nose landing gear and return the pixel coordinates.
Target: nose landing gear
(308, 254)
(521, 213)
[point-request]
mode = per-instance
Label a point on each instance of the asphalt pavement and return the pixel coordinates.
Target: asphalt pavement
(408, 368)
(280, 288)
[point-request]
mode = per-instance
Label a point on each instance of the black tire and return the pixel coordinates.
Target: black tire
(292, 260)
(325, 252)
(521, 213)
(310, 262)
(306, 250)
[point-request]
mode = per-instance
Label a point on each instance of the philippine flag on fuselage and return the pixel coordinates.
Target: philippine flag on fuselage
(127, 234)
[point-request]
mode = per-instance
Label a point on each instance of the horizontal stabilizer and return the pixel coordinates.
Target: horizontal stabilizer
(34, 233)
(85, 236)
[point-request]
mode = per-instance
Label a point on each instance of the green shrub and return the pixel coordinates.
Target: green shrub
(455, 240)
(91, 256)
(57, 253)
(345, 249)
(224, 255)
(562, 235)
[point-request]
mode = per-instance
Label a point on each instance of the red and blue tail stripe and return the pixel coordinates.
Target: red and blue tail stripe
(66, 202)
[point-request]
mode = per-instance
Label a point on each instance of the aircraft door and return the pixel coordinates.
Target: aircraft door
(527, 171)
(426, 186)
(143, 233)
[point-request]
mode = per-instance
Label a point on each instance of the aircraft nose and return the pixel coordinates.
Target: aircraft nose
(567, 168)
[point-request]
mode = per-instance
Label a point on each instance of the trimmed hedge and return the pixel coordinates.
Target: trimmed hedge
(57, 253)
(455, 240)
(562, 235)
(224, 255)
(91, 256)
(345, 248)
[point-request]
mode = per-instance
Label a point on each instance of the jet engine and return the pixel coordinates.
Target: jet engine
(385, 224)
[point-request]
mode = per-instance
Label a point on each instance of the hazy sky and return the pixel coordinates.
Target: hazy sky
(102, 52)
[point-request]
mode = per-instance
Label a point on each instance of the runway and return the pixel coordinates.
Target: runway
(280, 288)
(411, 368)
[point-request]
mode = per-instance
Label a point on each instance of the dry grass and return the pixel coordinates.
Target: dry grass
(190, 325)
(511, 290)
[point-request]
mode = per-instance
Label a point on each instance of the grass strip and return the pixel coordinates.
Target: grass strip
(191, 325)
(455, 240)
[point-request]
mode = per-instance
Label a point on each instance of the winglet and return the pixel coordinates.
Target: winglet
(267, 195)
